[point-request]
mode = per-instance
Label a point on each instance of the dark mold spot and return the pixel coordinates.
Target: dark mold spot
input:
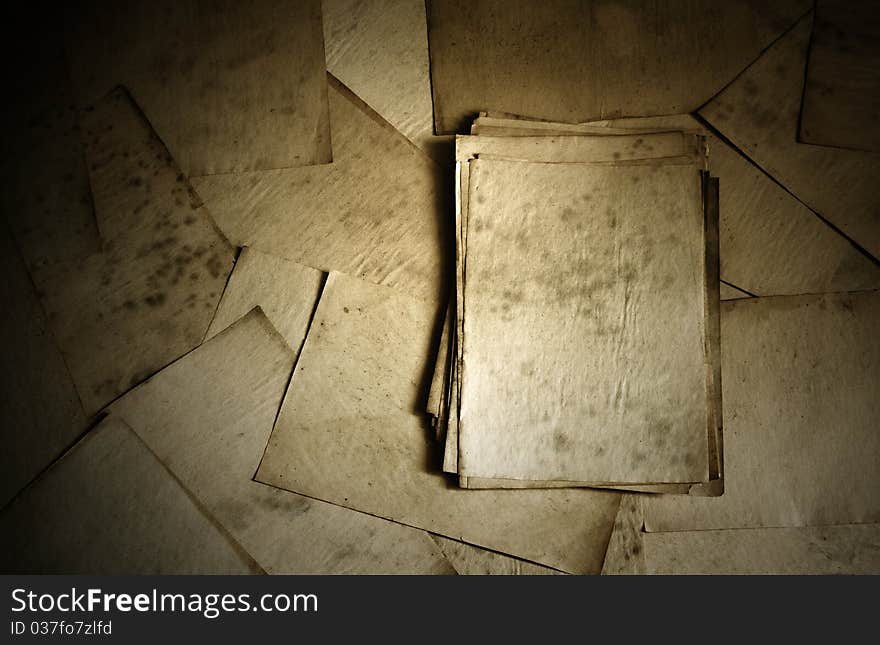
(561, 442)
(214, 266)
(155, 299)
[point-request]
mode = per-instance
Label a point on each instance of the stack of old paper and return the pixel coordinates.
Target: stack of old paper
(582, 345)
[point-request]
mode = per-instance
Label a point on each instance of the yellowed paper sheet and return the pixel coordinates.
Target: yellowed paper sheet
(759, 113)
(617, 149)
(714, 437)
(229, 86)
(842, 92)
(39, 406)
(378, 211)
(653, 280)
(563, 59)
(287, 293)
(798, 371)
(208, 417)
(110, 507)
(122, 314)
(355, 400)
(470, 560)
(712, 487)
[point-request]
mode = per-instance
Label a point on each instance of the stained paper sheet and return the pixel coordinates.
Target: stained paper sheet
(149, 297)
(228, 86)
(356, 400)
(673, 147)
(797, 371)
(208, 417)
(39, 405)
(842, 91)
(378, 212)
(759, 114)
(110, 507)
(617, 149)
(563, 59)
(597, 427)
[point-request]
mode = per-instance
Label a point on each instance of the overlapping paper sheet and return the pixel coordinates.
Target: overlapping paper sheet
(286, 292)
(521, 268)
(208, 416)
(801, 446)
(571, 60)
(355, 402)
(121, 314)
(770, 243)
(110, 507)
(376, 212)
(826, 550)
(39, 407)
(379, 49)
(759, 112)
(229, 86)
(842, 92)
